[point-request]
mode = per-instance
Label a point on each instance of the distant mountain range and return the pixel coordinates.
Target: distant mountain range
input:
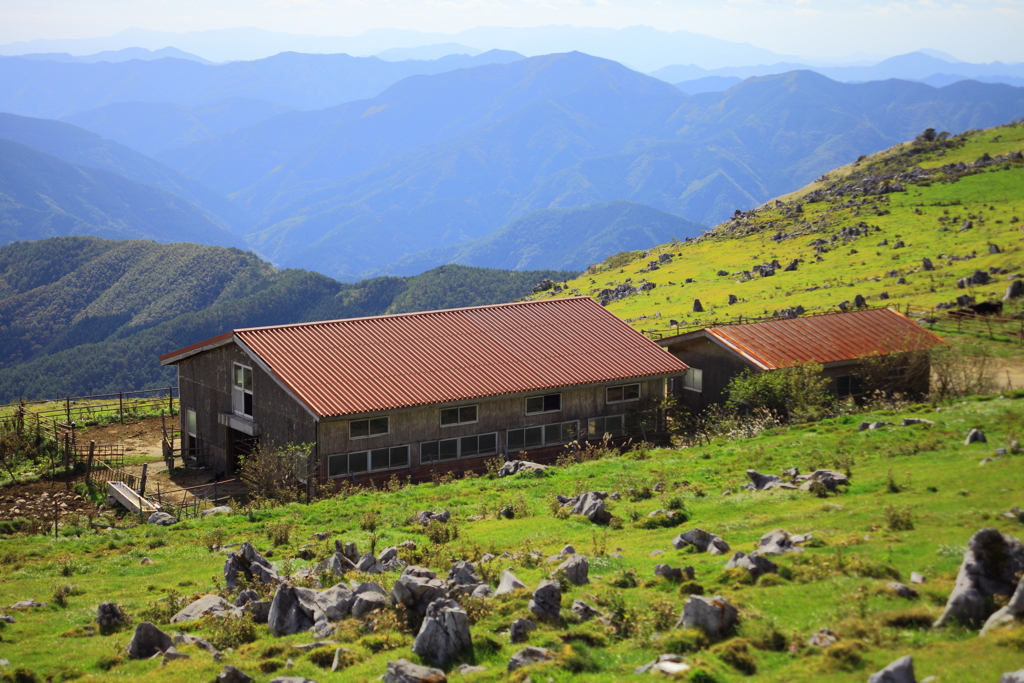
(80, 315)
(124, 55)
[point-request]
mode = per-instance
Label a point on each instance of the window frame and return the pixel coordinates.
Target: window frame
(688, 381)
(475, 420)
(191, 423)
(459, 455)
(544, 443)
(622, 388)
(370, 469)
(239, 392)
(856, 386)
(544, 398)
(592, 435)
(368, 421)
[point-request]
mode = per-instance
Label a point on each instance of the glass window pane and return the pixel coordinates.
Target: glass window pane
(534, 436)
(469, 446)
(488, 444)
(357, 462)
(247, 378)
(359, 428)
(467, 414)
(535, 404)
(552, 434)
(238, 376)
(449, 416)
(400, 456)
(614, 394)
(698, 379)
(337, 465)
(631, 392)
(595, 427)
(552, 402)
(613, 425)
(247, 404)
(449, 449)
(379, 425)
(428, 451)
(516, 439)
(191, 418)
(568, 431)
(379, 459)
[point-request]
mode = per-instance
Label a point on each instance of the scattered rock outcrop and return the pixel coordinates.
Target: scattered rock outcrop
(208, 604)
(546, 602)
(575, 570)
(1011, 613)
(162, 519)
(715, 616)
(990, 567)
(900, 671)
(444, 634)
(147, 641)
(519, 630)
(404, 671)
(756, 565)
(590, 505)
(704, 541)
(529, 655)
(517, 466)
(780, 541)
(509, 583)
(249, 564)
(418, 587)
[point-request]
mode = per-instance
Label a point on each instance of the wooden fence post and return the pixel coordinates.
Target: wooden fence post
(142, 484)
(170, 400)
(120, 406)
(88, 463)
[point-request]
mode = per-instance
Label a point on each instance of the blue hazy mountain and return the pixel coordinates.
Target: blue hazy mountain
(84, 148)
(124, 55)
(438, 161)
(44, 196)
(53, 89)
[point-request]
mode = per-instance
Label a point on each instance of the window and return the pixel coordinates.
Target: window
(241, 392)
(543, 404)
(626, 392)
(361, 429)
(535, 437)
(597, 427)
(464, 447)
(849, 385)
(367, 461)
(190, 423)
(462, 415)
(694, 380)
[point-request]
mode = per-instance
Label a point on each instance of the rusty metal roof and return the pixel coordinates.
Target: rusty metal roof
(822, 339)
(365, 365)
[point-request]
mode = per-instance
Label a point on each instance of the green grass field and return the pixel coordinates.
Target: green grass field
(838, 584)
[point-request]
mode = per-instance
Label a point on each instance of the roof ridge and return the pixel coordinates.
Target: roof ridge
(318, 323)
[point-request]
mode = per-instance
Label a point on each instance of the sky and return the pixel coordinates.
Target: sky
(972, 30)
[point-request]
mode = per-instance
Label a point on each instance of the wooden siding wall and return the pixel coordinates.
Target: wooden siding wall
(204, 385)
(494, 415)
(718, 366)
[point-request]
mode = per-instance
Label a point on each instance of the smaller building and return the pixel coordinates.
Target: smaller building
(840, 342)
(419, 394)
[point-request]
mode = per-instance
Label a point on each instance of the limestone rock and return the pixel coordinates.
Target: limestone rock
(546, 601)
(519, 630)
(208, 604)
(368, 602)
(704, 541)
(232, 674)
(417, 587)
(1014, 290)
(509, 583)
(404, 671)
(756, 565)
(147, 641)
(427, 516)
(444, 634)
(761, 482)
(902, 590)
(219, 510)
(162, 519)
(670, 573)
(249, 564)
(779, 542)
(576, 569)
(529, 655)
(517, 466)
(714, 615)
(293, 610)
(464, 576)
(830, 478)
(917, 578)
(1013, 677)
(823, 638)
(990, 567)
(975, 435)
(583, 611)
(201, 643)
(900, 671)
(1012, 613)
(591, 505)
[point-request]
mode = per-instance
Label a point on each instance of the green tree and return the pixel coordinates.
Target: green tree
(799, 391)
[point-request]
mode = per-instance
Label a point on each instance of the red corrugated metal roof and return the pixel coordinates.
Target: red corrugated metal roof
(196, 348)
(825, 339)
(364, 365)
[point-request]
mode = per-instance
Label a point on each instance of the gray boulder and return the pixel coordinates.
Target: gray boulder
(232, 674)
(529, 655)
(201, 643)
(417, 587)
(591, 505)
(162, 519)
(464, 576)
(900, 671)
(1011, 614)
(208, 604)
(427, 516)
(294, 610)
(823, 638)
(520, 629)
(830, 478)
(368, 564)
(517, 466)
(756, 565)
(249, 564)
(990, 567)
(902, 590)
(336, 602)
(575, 569)
(147, 641)
(715, 616)
(546, 602)
(509, 583)
(1013, 677)
(1014, 290)
(778, 542)
(219, 510)
(404, 671)
(291, 679)
(704, 541)
(761, 482)
(670, 573)
(444, 634)
(583, 611)
(245, 597)
(368, 602)
(975, 436)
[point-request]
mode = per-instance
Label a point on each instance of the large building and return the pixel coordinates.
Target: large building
(840, 342)
(420, 393)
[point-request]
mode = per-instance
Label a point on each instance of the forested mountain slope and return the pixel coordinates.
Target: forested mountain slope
(80, 313)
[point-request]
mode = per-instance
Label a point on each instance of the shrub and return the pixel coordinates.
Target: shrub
(279, 533)
(798, 391)
(625, 579)
(269, 666)
(736, 654)
(691, 588)
(898, 518)
(369, 521)
(213, 538)
(230, 632)
(440, 533)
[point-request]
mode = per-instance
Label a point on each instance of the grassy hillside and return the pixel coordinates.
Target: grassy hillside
(922, 474)
(906, 204)
(85, 314)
